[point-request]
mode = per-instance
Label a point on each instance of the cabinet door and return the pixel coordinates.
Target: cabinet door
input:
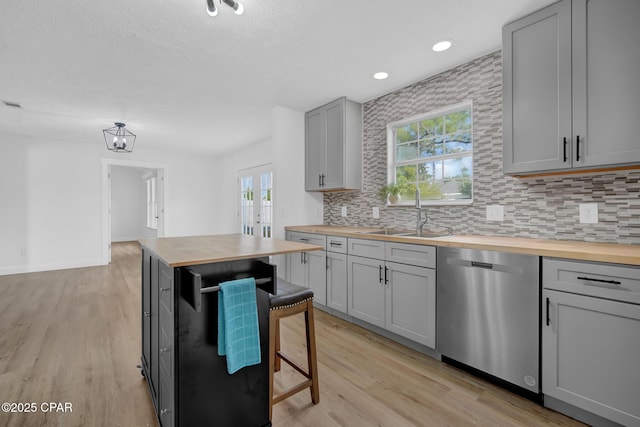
(537, 91)
(295, 263)
(316, 275)
(155, 326)
(337, 281)
(315, 148)
(411, 302)
(365, 284)
(591, 349)
(335, 140)
(606, 93)
(146, 309)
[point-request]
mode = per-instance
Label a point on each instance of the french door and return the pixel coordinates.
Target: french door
(256, 201)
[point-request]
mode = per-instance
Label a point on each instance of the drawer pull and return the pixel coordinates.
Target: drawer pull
(164, 349)
(165, 289)
(338, 244)
(380, 273)
(147, 314)
(613, 282)
(164, 411)
(303, 239)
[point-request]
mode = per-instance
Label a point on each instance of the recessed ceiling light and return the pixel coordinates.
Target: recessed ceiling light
(380, 75)
(441, 46)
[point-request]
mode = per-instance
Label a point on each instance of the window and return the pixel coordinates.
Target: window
(434, 152)
(152, 204)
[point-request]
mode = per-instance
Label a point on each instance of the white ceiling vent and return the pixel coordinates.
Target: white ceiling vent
(12, 104)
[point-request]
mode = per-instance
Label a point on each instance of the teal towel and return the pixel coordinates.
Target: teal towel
(238, 331)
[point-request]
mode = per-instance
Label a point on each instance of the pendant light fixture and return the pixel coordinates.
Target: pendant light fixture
(237, 7)
(119, 139)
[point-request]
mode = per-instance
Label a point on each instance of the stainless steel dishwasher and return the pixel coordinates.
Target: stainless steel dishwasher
(488, 313)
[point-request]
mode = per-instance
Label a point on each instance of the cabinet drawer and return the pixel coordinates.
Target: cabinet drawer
(337, 244)
(610, 281)
(419, 255)
(366, 248)
(312, 239)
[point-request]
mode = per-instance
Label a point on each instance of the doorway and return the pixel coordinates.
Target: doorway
(255, 188)
(136, 212)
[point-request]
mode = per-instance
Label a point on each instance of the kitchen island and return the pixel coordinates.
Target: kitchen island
(188, 381)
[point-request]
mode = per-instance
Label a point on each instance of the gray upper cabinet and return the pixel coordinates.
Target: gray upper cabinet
(570, 93)
(333, 147)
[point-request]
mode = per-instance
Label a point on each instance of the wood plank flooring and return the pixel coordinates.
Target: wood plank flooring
(74, 336)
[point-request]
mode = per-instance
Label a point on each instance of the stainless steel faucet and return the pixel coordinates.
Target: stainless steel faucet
(419, 222)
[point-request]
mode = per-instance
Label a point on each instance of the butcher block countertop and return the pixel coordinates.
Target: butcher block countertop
(587, 251)
(181, 251)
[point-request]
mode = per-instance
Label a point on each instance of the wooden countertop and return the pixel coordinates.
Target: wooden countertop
(587, 251)
(181, 251)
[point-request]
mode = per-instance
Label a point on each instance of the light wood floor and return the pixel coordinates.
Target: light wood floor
(74, 336)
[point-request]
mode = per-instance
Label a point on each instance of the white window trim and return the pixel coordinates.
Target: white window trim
(152, 203)
(391, 152)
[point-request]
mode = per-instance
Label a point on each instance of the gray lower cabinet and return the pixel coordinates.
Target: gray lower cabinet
(309, 269)
(337, 281)
(411, 302)
(569, 99)
(337, 273)
(395, 296)
(366, 289)
(591, 338)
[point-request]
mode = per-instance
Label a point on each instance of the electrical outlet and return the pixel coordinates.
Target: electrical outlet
(376, 212)
(343, 212)
(495, 213)
(588, 213)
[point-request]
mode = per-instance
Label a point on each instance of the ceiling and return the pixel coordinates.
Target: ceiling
(182, 79)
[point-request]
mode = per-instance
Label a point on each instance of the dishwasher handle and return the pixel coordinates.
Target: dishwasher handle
(479, 264)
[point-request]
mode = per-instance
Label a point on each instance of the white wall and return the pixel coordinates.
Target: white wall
(51, 200)
(294, 206)
(285, 150)
(253, 155)
(129, 204)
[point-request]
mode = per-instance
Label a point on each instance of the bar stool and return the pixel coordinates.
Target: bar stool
(290, 300)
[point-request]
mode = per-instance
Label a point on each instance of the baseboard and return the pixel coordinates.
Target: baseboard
(21, 269)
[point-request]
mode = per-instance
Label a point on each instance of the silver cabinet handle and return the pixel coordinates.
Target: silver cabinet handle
(164, 289)
(164, 411)
(147, 314)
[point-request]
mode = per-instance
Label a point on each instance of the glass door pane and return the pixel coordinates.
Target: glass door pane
(266, 205)
(246, 204)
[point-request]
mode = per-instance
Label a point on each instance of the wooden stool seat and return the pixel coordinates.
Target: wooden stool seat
(290, 300)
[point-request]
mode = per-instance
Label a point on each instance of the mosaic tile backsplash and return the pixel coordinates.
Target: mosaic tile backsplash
(546, 207)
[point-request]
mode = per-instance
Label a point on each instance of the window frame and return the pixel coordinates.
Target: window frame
(391, 153)
(152, 203)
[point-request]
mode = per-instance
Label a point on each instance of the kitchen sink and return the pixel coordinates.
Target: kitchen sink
(427, 234)
(407, 233)
(390, 232)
